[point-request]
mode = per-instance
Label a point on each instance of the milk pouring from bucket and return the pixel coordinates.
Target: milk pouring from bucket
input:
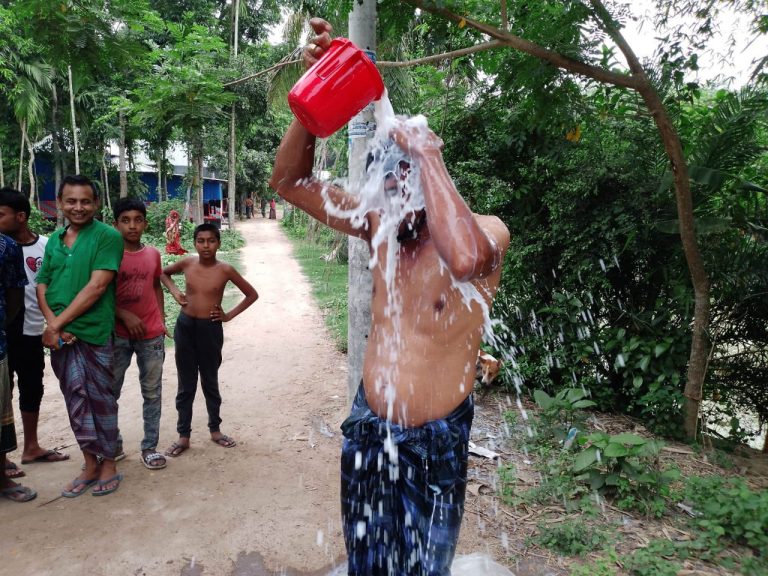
(338, 86)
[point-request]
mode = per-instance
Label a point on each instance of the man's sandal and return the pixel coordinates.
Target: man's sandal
(153, 460)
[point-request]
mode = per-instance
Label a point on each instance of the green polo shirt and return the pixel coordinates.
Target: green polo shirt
(66, 271)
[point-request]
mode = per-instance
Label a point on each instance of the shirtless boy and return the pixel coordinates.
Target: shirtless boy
(404, 458)
(199, 335)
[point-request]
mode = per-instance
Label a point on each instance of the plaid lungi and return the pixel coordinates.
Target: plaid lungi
(402, 491)
(85, 377)
(7, 428)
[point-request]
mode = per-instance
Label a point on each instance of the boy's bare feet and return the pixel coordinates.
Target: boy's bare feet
(178, 447)
(223, 440)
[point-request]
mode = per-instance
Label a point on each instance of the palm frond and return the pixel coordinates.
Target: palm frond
(282, 79)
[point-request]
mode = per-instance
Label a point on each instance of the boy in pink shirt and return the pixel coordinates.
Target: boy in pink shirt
(140, 326)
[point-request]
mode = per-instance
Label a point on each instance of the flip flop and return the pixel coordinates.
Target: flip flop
(48, 456)
(176, 449)
(106, 491)
(75, 483)
(149, 461)
(225, 441)
(27, 494)
(12, 471)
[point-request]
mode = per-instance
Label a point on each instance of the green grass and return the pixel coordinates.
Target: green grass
(329, 287)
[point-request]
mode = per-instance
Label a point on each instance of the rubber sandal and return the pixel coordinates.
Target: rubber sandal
(118, 477)
(27, 493)
(228, 442)
(148, 459)
(75, 483)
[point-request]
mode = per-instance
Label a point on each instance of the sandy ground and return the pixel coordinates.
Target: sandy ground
(212, 511)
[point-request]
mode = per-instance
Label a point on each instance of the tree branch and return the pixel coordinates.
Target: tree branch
(444, 56)
(261, 72)
(554, 58)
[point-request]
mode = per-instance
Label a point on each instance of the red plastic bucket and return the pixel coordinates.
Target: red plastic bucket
(335, 88)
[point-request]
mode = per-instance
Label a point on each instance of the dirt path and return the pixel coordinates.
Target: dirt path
(268, 506)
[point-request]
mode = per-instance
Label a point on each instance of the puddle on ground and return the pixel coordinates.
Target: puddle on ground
(252, 564)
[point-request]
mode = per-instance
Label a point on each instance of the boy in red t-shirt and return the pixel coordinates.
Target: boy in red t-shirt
(140, 326)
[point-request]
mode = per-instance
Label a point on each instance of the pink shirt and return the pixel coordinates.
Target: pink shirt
(136, 290)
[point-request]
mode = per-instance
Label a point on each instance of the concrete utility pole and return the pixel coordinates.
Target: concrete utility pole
(362, 31)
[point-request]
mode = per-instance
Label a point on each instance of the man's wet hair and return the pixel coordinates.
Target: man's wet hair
(15, 200)
(128, 204)
(78, 180)
(207, 227)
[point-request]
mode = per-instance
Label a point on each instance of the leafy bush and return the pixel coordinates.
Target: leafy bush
(560, 414)
(574, 538)
(656, 559)
(628, 466)
(729, 511)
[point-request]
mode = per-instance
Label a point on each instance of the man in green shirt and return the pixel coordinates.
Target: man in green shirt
(76, 293)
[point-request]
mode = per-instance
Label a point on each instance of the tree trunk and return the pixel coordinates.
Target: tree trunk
(165, 175)
(19, 181)
(160, 169)
(231, 190)
(105, 172)
(74, 123)
(56, 147)
(2, 169)
(121, 155)
(232, 185)
(31, 170)
(362, 31)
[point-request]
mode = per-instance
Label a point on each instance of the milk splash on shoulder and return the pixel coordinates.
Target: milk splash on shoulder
(387, 160)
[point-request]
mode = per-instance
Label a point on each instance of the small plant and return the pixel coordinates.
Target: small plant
(571, 538)
(729, 511)
(601, 567)
(560, 413)
(657, 559)
(628, 466)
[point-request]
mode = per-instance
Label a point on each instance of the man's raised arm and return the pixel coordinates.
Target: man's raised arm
(469, 249)
(292, 176)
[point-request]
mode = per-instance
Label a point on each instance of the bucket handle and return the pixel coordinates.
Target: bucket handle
(328, 70)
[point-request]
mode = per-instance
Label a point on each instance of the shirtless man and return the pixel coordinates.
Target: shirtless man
(404, 458)
(199, 335)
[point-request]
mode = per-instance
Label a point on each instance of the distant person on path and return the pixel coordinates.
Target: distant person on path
(173, 234)
(272, 209)
(404, 458)
(248, 207)
(140, 326)
(76, 293)
(25, 336)
(199, 335)
(263, 206)
(12, 282)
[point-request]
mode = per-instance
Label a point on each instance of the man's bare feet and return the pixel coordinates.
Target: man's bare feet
(223, 440)
(109, 479)
(179, 447)
(43, 455)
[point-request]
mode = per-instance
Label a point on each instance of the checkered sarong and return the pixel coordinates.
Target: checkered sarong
(7, 427)
(402, 491)
(85, 377)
